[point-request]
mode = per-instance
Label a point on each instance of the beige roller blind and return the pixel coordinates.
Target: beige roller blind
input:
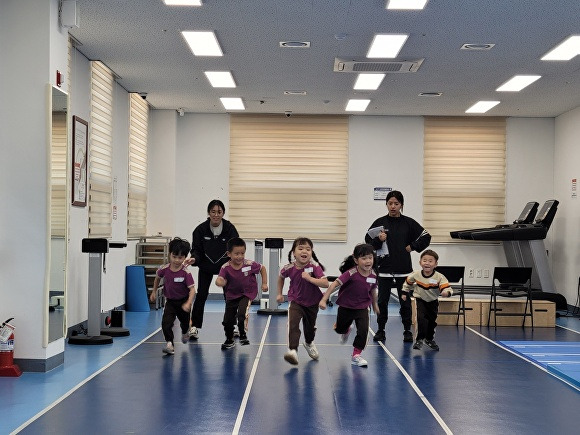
(100, 151)
(288, 176)
(58, 194)
(137, 192)
(464, 169)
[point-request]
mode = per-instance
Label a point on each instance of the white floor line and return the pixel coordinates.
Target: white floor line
(522, 358)
(251, 381)
(416, 388)
(79, 385)
(568, 329)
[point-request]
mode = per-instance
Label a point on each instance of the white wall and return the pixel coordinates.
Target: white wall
(566, 249)
(201, 168)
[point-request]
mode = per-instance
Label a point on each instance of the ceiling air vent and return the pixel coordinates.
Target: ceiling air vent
(373, 66)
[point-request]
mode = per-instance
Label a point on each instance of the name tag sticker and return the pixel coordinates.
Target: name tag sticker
(246, 268)
(179, 279)
(432, 281)
(371, 280)
(308, 269)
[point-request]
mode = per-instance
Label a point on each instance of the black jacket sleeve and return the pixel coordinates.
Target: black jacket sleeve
(421, 237)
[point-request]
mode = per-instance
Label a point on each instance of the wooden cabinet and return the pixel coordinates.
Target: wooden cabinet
(152, 252)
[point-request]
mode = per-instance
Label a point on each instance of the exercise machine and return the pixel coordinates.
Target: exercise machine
(275, 245)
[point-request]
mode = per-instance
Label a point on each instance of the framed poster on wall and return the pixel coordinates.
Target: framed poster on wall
(80, 141)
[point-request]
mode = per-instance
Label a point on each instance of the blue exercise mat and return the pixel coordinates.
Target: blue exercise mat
(560, 358)
(136, 289)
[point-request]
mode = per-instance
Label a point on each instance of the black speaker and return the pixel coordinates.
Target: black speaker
(118, 318)
(274, 243)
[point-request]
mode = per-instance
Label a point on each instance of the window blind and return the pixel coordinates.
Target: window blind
(464, 169)
(137, 192)
(289, 176)
(100, 151)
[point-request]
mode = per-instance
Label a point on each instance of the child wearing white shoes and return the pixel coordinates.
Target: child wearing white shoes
(357, 291)
(179, 291)
(306, 277)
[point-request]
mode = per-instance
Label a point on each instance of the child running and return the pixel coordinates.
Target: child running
(179, 291)
(357, 290)
(427, 284)
(306, 276)
(238, 279)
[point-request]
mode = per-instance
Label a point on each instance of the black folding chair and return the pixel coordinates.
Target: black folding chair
(511, 282)
(455, 275)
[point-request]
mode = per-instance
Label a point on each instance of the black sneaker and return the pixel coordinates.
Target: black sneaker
(244, 340)
(228, 344)
(407, 336)
(380, 335)
(432, 344)
(418, 344)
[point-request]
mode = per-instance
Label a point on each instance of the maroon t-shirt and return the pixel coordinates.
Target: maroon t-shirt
(300, 290)
(356, 290)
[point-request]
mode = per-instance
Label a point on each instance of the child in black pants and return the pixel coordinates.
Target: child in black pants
(427, 284)
(179, 291)
(238, 278)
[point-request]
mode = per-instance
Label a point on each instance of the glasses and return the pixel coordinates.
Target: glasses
(216, 212)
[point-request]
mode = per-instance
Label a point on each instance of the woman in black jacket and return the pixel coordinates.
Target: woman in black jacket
(394, 236)
(208, 253)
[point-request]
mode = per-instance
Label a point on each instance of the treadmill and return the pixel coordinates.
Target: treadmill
(526, 217)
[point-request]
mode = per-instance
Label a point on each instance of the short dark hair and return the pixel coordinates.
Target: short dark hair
(233, 242)
(397, 195)
(430, 252)
(178, 246)
(215, 202)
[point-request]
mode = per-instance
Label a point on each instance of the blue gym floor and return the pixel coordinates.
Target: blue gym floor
(476, 383)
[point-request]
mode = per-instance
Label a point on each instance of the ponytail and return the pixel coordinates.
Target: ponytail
(347, 264)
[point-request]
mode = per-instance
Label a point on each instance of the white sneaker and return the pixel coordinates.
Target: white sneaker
(236, 331)
(344, 337)
(311, 349)
(291, 356)
(358, 361)
(193, 333)
(168, 349)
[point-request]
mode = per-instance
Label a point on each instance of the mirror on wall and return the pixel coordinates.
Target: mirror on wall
(58, 213)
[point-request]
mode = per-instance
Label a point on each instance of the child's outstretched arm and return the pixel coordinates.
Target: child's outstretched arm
(280, 297)
(153, 294)
(375, 302)
(187, 304)
(319, 282)
(407, 287)
(331, 289)
(264, 276)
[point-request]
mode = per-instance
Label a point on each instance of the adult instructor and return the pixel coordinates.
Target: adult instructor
(394, 236)
(208, 253)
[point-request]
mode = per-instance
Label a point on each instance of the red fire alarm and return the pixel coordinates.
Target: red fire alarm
(59, 78)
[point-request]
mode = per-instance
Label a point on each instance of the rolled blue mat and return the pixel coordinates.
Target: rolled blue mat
(136, 289)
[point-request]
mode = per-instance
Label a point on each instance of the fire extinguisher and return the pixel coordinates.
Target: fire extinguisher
(7, 366)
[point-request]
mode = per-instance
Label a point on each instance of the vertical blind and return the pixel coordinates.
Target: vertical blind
(137, 192)
(464, 169)
(288, 176)
(58, 194)
(100, 151)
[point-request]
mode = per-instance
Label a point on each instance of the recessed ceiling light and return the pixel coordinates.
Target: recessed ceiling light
(482, 106)
(475, 47)
(566, 50)
(295, 44)
(233, 103)
(357, 105)
(220, 79)
(203, 43)
(386, 46)
(294, 92)
(182, 2)
(430, 94)
(405, 4)
(517, 83)
(369, 82)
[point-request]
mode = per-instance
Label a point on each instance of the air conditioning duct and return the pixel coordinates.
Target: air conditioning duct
(375, 66)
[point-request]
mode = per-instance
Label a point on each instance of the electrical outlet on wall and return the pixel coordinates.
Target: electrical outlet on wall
(471, 273)
(486, 273)
(478, 273)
